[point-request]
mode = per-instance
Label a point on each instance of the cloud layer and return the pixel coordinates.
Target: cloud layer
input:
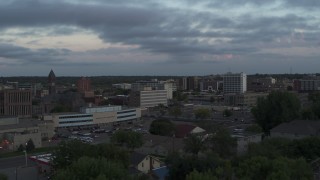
(179, 33)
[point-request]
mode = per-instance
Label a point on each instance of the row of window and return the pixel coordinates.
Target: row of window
(67, 122)
(75, 116)
(131, 115)
(129, 111)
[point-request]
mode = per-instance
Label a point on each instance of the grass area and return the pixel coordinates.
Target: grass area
(35, 151)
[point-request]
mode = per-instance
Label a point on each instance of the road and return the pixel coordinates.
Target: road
(17, 161)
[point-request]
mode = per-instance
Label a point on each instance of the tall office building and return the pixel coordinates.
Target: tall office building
(235, 83)
(148, 98)
(84, 85)
(305, 85)
(149, 94)
(52, 82)
(189, 83)
(16, 103)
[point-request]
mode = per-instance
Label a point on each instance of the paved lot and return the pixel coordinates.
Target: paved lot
(15, 169)
(11, 162)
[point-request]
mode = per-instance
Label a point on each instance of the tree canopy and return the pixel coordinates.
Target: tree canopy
(162, 127)
(3, 177)
(280, 168)
(70, 151)
(87, 168)
(223, 144)
(194, 144)
(195, 175)
(227, 113)
(277, 108)
(30, 145)
(202, 113)
(175, 111)
(129, 138)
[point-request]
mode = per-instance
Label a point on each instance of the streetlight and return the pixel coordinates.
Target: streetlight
(25, 154)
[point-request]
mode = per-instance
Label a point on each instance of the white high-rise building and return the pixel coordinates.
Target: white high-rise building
(234, 83)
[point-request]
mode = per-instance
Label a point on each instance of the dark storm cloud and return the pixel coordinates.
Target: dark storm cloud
(304, 4)
(285, 3)
(8, 51)
(156, 28)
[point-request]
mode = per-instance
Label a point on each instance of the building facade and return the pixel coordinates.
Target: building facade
(245, 99)
(234, 83)
(261, 84)
(305, 85)
(18, 132)
(52, 82)
(148, 98)
(16, 103)
(94, 116)
(84, 85)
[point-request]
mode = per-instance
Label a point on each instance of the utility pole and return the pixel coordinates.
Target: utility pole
(25, 154)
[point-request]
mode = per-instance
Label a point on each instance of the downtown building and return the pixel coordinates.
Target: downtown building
(89, 117)
(15, 102)
(146, 94)
(306, 85)
(189, 83)
(234, 83)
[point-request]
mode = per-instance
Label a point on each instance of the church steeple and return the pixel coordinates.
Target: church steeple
(51, 77)
(52, 82)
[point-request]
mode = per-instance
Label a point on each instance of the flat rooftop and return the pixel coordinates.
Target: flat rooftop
(24, 123)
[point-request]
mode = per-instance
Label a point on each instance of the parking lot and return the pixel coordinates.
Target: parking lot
(100, 135)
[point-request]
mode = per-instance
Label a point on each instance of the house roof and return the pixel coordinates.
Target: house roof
(182, 130)
(302, 127)
(161, 172)
(156, 141)
(136, 158)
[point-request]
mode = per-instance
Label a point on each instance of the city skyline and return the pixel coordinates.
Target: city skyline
(92, 38)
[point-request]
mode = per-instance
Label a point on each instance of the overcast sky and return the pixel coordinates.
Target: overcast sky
(158, 37)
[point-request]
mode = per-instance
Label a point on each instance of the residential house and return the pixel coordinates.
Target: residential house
(297, 129)
(160, 145)
(144, 163)
(183, 130)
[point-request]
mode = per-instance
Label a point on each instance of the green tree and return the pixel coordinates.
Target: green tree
(270, 148)
(308, 148)
(70, 151)
(316, 109)
(195, 175)
(212, 99)
(3, 177)
(113, 153)
(280, 168)
(277, 108)
(60, 108)
(162, 127)
(223, 144)
(180, 96)
(162, 109)
(202, 113)
(91, 168)
(30, 145)
(21, 148)
(182, 165)
(308, 114)
(129, 138)
(254, 129)
(175, 111)
(227, 113)
(194, 144)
